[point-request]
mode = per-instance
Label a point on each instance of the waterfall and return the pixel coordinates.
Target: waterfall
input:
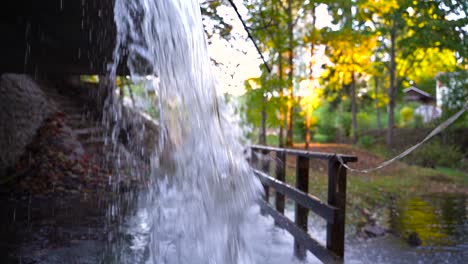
(203, 185)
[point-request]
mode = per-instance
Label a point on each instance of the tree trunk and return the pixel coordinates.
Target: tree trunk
(341, 130)
(262, 136)
(377, 110)
(281, 125)
(289, 137)
(307, 130)
(354, 108)
(311, 79)
(392, 90)
(281, 98)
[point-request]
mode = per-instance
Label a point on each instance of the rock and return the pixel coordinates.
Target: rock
(374, 230)
(414, 239)
(23, 107)
(366, 212)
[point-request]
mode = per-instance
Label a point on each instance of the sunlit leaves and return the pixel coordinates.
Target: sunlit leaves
(212, 21)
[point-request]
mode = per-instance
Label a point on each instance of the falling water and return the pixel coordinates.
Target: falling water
(203, 184)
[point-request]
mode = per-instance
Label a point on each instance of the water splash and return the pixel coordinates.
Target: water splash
(203, 183)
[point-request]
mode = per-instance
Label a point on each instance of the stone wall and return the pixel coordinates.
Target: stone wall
(23, 107)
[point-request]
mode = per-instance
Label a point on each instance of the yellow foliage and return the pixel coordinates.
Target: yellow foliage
(406, 114)
(384, 6)
(428, 63)
(95, 79)
(309, 103)
(89, 78)
(313, 121)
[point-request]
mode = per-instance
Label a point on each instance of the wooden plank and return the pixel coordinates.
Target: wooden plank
(266, 168)
(302, 237)
(301, 212)
(280, 173)
(254, 159)
(337, 198)
(313, 203)
(310, 154)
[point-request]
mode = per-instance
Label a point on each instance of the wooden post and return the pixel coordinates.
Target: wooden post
(280, 172)
(302, 183)
(254, 159)
(266, 169)
(337, 198)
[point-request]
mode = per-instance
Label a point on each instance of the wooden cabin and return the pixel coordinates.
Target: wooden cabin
(413, 94)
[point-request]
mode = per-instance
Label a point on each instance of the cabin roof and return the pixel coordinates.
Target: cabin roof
(414, 94)
(418, 91)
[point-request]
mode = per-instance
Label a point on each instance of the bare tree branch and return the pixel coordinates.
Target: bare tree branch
(250, 35)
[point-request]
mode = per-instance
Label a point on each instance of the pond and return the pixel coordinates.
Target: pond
(440, 222)
(437, 223)
(78, 230)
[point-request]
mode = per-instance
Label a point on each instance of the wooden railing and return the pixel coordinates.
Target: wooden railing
(333, 211)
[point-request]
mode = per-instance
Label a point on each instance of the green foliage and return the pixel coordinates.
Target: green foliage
(406, 115)
(366, 141)
(327, 131)
(364, 121)
(252, 101)
(272, 140)
(344, 121)
(323, 138)
(427, 84)
(436, 154)
(456, 94)
(359, 46)
(214, 24)
(418, 121)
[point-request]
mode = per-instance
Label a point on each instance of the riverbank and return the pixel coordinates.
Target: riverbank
(370, 197)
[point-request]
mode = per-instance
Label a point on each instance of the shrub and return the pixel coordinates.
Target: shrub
(322, 138)
(418, 121)
(406, 115)
(364, 121)
(325, 123)
(328, 132)
(345, 122)
(435, 154)
(366, 141)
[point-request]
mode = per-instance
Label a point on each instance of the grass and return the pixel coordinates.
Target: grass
(373, 191)
(272, 140)
(459, 176)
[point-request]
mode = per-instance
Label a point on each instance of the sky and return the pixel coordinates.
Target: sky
(239, 56)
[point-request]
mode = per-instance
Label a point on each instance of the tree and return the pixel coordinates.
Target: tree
(454, 92)
(266, 22)
(406, 28)
(311, 39)
(214, 24)
(350, 49)
(309, 103)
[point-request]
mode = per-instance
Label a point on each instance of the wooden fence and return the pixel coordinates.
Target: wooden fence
(333, 211)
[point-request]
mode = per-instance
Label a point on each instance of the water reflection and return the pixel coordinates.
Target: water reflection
(441, 222)
(438, 220)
